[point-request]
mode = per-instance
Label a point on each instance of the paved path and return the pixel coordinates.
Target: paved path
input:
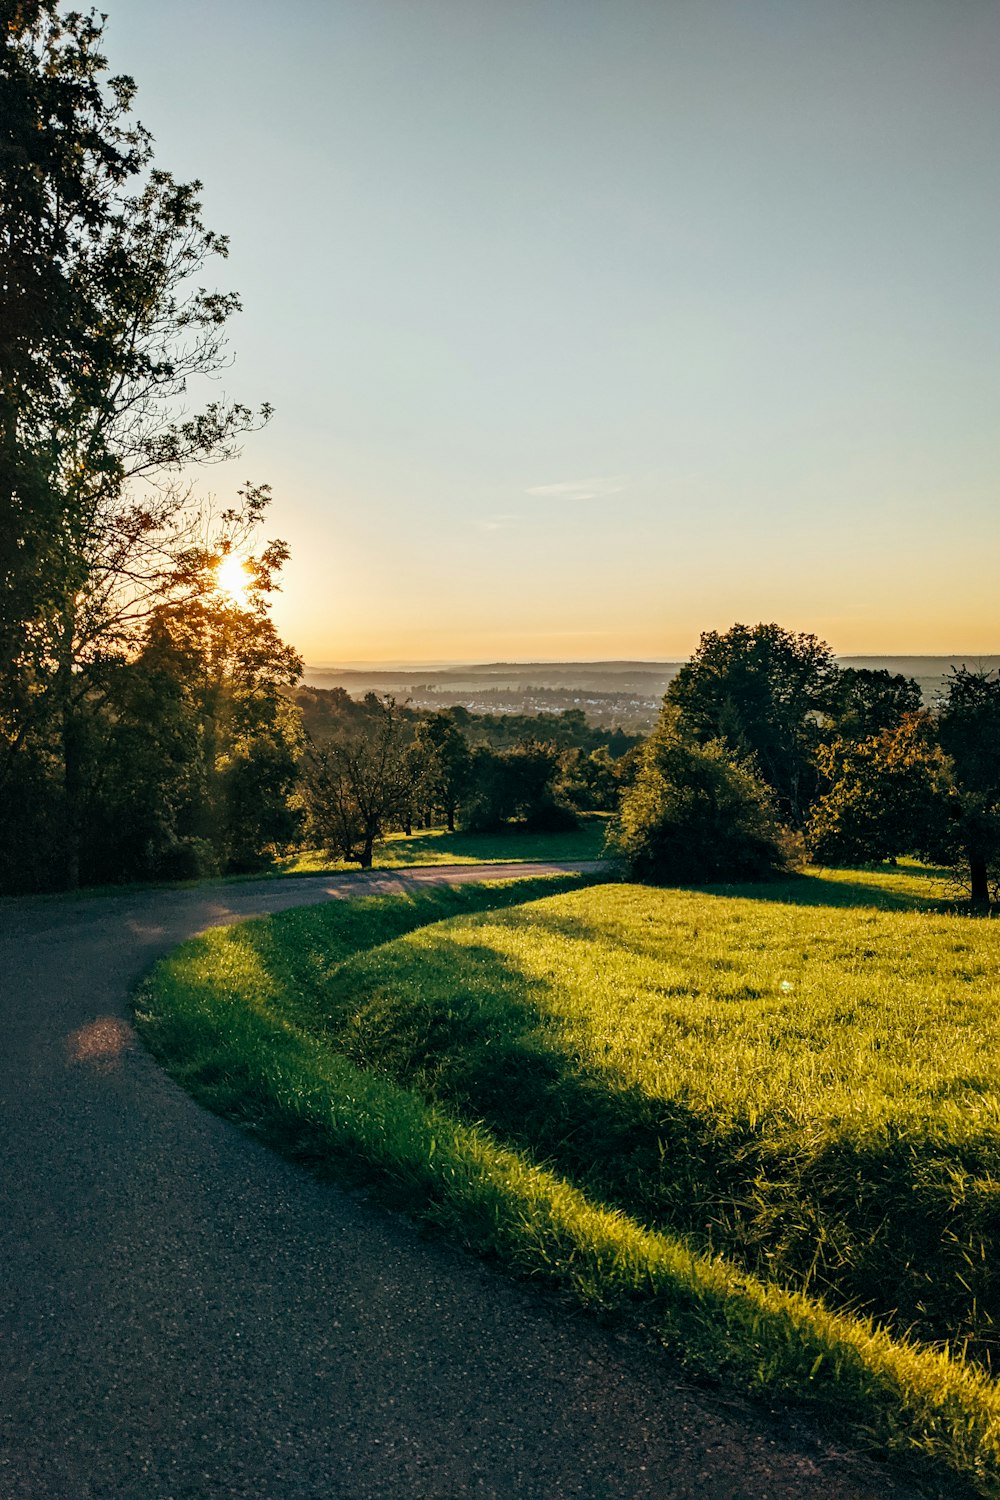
(186, 1315)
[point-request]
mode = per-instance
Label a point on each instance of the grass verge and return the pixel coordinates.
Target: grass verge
(235, 1017)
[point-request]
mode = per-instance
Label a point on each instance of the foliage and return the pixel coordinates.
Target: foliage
(567, 730)
(861, 702)
(104, 329)
(65, 146)
(761, 690)
(462, 769)
(443, 765)
(969, 727)
(518, 784)
(326, 711)
(884, 795)
(354, 787)
(589, 781)
(233, 670)
(696, 813)
(645, 1010)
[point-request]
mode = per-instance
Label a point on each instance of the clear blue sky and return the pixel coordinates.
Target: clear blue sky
(592, 326)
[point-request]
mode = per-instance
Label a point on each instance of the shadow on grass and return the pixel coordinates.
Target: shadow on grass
(832, 890)
(303, 948)
(515, 844)
(870, 1219)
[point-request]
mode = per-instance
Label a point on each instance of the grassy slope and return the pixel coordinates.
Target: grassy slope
(812, 1090)
(269, 1021)
(439, 847)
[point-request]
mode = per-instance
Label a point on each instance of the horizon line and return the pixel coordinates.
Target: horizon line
(399, 664)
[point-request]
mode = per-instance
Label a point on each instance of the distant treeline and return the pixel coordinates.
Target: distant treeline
(327, 711)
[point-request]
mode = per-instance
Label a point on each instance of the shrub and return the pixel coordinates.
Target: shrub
(696, 813)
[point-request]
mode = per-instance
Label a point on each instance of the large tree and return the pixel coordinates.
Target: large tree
(104, 328)
(881, 795)
(969, 727)
(358, 784)
(761, 690)
(64, 150)
(515, 786)
(444, 763)
(191, 752)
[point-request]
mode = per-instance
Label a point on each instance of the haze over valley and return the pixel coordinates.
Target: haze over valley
(624, 693)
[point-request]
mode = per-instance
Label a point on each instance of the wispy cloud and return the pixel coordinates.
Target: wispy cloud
(578, 489)
(497, 523)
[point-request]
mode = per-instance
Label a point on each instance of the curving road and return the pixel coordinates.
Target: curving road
(186, 1316)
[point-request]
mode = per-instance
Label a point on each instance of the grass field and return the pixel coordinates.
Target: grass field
(751, 1116)
(439, 847)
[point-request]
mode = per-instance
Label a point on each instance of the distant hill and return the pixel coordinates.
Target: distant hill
(625, 693)
(931, 672)
(603, 676)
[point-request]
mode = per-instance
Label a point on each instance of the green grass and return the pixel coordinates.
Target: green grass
(730, 1114)
(813, 1093)
(439, 847)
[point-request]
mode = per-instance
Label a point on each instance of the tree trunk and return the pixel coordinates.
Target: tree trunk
(980, 880)
(366, 852)
(72, 756)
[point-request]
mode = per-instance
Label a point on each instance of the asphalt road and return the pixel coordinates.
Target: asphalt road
(184, 1314)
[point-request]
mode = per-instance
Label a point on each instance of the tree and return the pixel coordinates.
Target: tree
(589, 781)
(234, 671)
(516, 784)
(188, 749)
(969, 728)
(445, 764)
(883, 795)
(63, 149)
(862, 702)
(355, 786)
(760, 689)
(696, 813)
(104, 330)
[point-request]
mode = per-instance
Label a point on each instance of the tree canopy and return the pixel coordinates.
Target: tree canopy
(881, 796)
(761, 690)
(696, 813)
(969, 726)
(104, 333)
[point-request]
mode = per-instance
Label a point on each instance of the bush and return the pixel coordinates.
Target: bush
(697, 814)
(187, 859)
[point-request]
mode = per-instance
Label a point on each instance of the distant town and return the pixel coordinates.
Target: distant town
(626, 694)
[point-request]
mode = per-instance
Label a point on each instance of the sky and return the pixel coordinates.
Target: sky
(592, 326)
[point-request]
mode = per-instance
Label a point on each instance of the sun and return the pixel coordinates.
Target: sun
(232, 579)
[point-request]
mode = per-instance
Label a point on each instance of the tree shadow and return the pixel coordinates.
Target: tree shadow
(805, 889)
(866, 1217)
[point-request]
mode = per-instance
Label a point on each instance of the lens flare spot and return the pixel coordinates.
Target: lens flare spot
(232, 578)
